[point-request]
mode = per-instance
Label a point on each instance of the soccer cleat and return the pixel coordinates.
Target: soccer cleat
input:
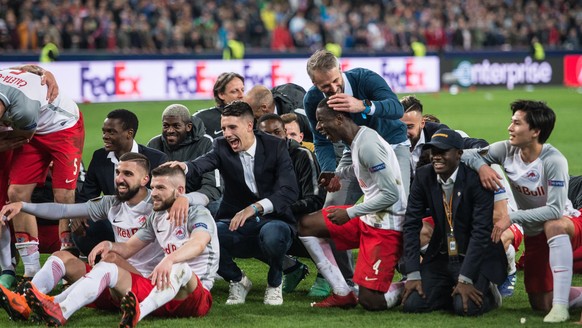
(238, 291)
(21, 287)
(293, 278)
(320, 288)
(558, 313)
(508, 286)
(353, 286)
(345, 302)
(273, 295)
(394, 296)
(7, 280)
(497, 299)
(14, 304)
(44, 307)
(130, 309)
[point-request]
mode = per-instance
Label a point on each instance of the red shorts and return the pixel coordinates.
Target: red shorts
(538, 277)
(48, 238)
(197, 304)
(380, 250)
(5, 161)
(105, 301)
(64, 148)
(517, 236)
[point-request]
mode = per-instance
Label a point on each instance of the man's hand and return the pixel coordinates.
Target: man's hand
(499, 227)
(241, 217)
(101, 249)
(9, 211)
(346, 103)
(468, 292)
(182, 165)
(160, 277)
(338, 216)
(179, 211)
(410, 286)
(79, 226)
(12, 143)
(51, 83)
(489, 178)
(330, 184)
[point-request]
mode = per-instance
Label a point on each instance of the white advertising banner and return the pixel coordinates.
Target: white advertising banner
(134, 80)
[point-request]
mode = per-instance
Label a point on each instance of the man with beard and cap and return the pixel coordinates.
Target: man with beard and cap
(126, 211)
(183, 139)
(119, 131)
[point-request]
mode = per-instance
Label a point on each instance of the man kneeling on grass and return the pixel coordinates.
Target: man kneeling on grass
(180, 284)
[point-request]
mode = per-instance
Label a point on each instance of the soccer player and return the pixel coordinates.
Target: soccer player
(59, 135)
(127, 212)
(374, 226)
(179, 285)
(538, 175)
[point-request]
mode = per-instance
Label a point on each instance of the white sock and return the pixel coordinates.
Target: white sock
(320, 252)
(63, 295)
(49, 275)
(561, 260)
(5, 252)
(30, 257)
(510, 254)
(103, 275)
(288, 262)
(575, 297)
(393, 294)
(179, 276)
(423, 249)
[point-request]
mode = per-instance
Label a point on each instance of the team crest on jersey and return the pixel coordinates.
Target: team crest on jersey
(142, 220)
(556, 183)
(180, 233)
(532, 175)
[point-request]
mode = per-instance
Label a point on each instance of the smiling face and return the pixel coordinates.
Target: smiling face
(445, 162)
(129, 178)
(238, 131)
(520, 133)
(327, 124)
(164, 192)
(414, 125)
(115, 138)
(293, 131)
(274, 128)
(329, 82)
(234, 90)
(174, 130)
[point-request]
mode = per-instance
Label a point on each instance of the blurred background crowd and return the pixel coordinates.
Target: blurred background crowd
(186, 26)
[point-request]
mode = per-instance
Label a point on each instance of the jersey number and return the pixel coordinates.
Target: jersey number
(376, 266)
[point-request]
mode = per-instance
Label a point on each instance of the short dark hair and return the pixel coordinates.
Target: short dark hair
(323, 105)
(238, 108)
(166, 170)
(220, 85)
(411, 103)
(538, 115)
(138, 158)
(430, 118)
(128, 119)
(270, 116)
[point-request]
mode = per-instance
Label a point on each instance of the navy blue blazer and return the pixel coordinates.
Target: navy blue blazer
(100, 175)
(472, 221)
(273, 172)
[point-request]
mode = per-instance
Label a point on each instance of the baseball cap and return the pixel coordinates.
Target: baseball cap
(445, 139)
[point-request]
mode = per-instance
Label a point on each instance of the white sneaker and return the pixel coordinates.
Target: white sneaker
(558, 313)
(238, 291)
(394, 295)
(497, 298)
(274, 295)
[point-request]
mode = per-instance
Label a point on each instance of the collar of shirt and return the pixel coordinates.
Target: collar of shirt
(347, 86)
(115, 160)
(451, 180)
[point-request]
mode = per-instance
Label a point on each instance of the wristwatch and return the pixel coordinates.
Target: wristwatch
(367, 109)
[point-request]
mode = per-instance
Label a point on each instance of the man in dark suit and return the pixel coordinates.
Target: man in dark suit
(254, 217)
(460, 256)
(119, 130)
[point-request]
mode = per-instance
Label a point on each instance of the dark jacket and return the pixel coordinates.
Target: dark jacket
(100, 174)
(307, 171)
(273, 173)
(211, 119)
(196, 144)
(472, 221)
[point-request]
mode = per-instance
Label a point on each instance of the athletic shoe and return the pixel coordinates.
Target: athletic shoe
(508, 286)
(497, 299)
(293, 278)
(21, 287)
(395, 294)
(320, 288)
(273, 295)
(353, 286)
(14, 304)
(7, 280)
(130, 309)
(558, 313)
(44, 307)
(344, 302)
(238, 291)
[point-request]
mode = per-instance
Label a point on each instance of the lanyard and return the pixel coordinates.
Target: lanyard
(448, 210)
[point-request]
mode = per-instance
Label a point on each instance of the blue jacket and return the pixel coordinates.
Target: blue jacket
(365, 84)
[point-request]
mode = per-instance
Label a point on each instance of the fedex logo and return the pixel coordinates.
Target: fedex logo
(260, 75)
(177, 83)
(118, 83)
(404, 76)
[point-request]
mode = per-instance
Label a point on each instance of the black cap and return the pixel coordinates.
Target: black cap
(445, 139)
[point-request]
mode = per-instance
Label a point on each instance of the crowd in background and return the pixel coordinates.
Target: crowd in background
(185, 26)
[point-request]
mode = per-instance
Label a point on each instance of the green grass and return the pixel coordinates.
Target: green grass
(482, 113)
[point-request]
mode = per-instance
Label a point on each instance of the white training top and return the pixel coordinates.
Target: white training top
(540, 188)
(170, 238)
(376, 167)
(126, 221)
(27, 108)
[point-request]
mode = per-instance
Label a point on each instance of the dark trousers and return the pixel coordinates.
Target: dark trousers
(97, 232)
(438, 280)
(266, 240)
